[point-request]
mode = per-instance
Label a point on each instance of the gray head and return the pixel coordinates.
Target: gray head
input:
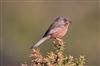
(62, 19)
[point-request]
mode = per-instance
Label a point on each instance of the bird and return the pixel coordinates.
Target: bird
(57, 29)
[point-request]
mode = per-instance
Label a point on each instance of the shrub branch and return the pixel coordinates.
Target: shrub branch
(55, 58)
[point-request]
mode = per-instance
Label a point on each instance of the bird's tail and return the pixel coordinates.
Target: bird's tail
(40, 42)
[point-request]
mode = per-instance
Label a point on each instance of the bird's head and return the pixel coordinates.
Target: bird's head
(62, 19)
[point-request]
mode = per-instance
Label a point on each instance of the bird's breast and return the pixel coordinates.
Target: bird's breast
(60, 32)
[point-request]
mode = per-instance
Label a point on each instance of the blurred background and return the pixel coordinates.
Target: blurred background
(24, 23)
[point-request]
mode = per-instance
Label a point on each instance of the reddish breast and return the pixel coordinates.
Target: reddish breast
(61, 32)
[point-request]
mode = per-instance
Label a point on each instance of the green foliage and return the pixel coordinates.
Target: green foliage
(55, 58)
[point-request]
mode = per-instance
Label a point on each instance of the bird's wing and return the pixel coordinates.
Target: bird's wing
(51, 29)
(46, 33)
(52, 26)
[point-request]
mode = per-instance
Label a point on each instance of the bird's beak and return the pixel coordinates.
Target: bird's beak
(70, 21)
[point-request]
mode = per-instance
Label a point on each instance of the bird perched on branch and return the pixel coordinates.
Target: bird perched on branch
(57, 30)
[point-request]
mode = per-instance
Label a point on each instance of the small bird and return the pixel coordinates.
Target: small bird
(57, 30)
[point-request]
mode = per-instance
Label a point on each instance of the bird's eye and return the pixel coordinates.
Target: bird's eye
(65, 20)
